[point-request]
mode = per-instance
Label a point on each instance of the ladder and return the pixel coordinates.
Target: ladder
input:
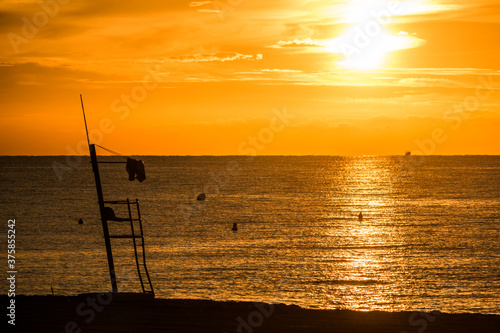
(137, 237)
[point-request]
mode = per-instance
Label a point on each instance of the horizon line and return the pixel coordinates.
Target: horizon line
(265, 155)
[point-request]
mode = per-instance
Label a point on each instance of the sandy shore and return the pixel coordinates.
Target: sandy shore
(128, 313)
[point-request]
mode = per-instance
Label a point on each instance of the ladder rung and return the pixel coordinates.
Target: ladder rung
(140, 256)
(124, 219)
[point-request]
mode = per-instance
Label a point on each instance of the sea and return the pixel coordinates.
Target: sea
(429, 238)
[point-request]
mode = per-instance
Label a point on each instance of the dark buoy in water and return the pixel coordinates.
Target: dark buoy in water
(80, 221)
(201, 197)
(235, 227)
(360, 216)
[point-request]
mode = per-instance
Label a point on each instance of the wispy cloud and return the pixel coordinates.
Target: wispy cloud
(276, 70)
(209, 10)
(308, 42)
(188, 58)
(205, 10)
(428, 82)
(199, 3)
(223, 56)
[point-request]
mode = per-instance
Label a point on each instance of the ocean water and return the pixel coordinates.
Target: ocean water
(429, 239)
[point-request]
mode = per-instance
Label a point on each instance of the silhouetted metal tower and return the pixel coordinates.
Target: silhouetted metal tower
(107, 214)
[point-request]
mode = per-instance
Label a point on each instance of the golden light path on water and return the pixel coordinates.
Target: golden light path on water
(365, 278)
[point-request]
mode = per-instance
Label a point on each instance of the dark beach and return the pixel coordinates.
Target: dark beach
(126, 313)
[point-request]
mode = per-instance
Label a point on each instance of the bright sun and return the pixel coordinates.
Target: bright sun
(363, 52)
(373, 53)
(366, 43)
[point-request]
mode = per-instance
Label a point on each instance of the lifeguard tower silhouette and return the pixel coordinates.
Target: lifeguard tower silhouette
(133, 221)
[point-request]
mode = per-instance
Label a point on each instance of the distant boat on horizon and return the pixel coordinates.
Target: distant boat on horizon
(408, 153)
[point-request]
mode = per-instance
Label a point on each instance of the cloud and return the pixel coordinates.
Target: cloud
(68, 63)
(199, 3)
(209, 10)
(443, 71)
(222, 56)
(275, 70)
(308, 42)
(427, 82)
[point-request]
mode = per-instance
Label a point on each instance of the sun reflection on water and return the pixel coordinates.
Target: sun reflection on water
(365, 273)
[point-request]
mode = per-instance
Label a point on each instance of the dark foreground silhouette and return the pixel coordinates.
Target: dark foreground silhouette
(101, 313)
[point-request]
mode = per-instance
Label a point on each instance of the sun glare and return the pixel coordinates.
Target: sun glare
(356, 11)
(361, 10)
(366, 43)
(363, 52)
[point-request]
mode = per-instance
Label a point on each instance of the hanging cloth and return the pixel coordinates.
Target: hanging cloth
(135, 169)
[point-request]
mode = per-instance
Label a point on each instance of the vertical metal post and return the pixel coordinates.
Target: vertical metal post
(95, 168)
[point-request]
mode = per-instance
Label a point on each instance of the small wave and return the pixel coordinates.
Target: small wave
(370, 282)
(358, 247)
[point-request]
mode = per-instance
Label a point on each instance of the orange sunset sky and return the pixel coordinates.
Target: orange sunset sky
(209, 77)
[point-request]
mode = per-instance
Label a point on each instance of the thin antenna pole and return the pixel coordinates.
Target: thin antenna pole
(85, 120)
(104, 220)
